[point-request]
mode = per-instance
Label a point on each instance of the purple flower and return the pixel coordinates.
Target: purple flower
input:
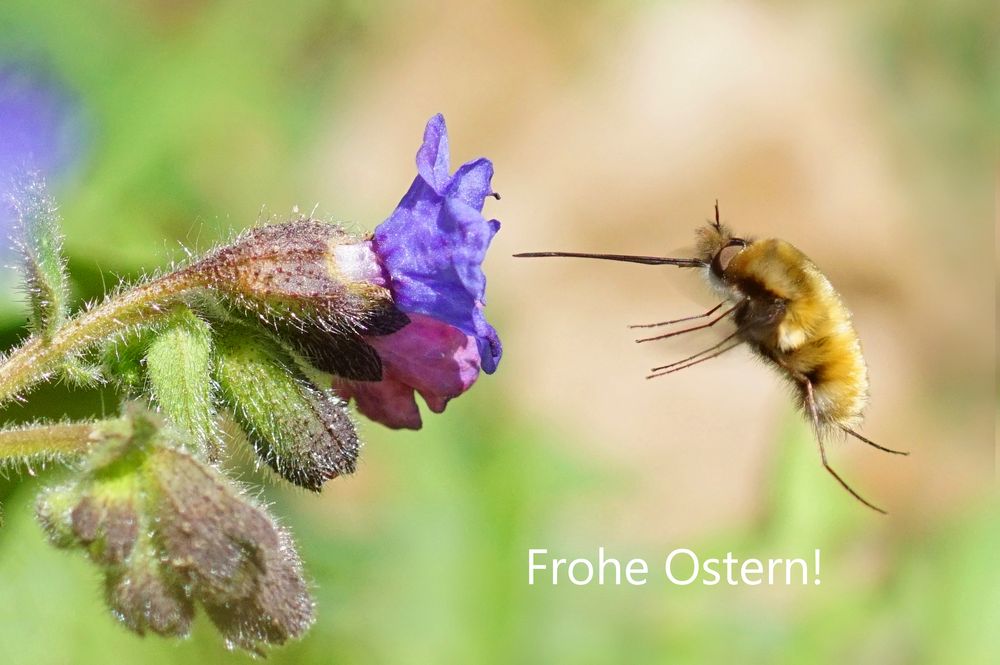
(429, 254)
(38, 131)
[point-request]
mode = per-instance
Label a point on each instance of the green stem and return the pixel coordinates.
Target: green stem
(55, 440)
(37, 358)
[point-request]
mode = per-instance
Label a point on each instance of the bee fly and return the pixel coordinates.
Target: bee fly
(787, 312)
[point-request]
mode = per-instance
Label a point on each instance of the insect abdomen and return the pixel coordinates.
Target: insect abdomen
(835, 367)
(814, 337)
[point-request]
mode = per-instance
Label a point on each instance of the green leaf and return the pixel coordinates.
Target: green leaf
(78, 373)
(179, 370)
(123, 361)
(40, 242)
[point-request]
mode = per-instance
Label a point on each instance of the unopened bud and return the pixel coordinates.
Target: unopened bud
(55, 513)
(303, 432)
(146, 596)
(301, 272)
(107, 525)
(101, 515)
(241, 566)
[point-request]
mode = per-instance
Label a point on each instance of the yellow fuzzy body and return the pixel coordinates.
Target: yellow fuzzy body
(814, 338)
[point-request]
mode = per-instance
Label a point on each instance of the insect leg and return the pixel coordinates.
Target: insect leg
(700, 353)
(693, 328)
(695, 362)
(872, 443)
(814, 415)
(686, 318)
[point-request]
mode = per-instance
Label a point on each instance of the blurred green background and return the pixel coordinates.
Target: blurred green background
(864, 133)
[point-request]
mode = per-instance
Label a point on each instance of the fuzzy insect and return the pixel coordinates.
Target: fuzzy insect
(787, 312)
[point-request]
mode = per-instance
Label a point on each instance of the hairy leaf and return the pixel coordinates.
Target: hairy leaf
(40, 243)
(179, 369)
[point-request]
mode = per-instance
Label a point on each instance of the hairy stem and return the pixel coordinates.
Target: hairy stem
(37, 358)
(58, 440)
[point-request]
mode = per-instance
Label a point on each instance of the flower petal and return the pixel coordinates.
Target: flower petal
(434, 259)
(437, 360)
(471, 183)
(388, 402)
(490, 348)
(358, 262)
(432, 158)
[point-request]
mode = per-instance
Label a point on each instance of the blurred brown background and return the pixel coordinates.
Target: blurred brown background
(807, 124)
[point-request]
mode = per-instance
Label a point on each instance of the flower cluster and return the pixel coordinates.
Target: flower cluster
(170, 532)
(248, 337)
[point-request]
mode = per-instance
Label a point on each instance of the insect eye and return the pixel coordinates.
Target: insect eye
(727, 254)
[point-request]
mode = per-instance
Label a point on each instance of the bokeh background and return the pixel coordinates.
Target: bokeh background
(864, 133)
